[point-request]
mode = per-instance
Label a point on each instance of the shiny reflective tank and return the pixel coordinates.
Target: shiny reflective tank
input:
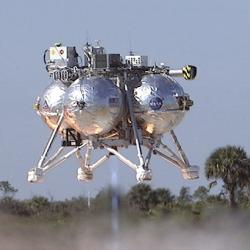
(93, 106)
(156, 107)
(51, 104)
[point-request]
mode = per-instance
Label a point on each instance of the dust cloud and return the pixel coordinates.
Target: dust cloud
(224, 231)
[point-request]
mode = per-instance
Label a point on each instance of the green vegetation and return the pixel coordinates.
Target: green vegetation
(141, 200)
(229, 164)
(232, 166)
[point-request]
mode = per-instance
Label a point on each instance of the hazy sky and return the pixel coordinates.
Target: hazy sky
(213, 35)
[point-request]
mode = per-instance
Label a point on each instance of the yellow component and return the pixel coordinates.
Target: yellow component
(189, 72)
(150, 128)
(52, 52)
(36, 106)
(58, 53)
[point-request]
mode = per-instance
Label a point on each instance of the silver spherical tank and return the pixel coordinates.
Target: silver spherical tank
(93, 106)
(157, 108)
(51, 103)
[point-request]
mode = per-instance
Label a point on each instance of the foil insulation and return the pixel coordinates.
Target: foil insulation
(93, 106)
(156, 106)
(51, 104)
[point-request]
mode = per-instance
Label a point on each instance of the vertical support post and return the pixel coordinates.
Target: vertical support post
(88, 155)
(133, 120)
(148, 157)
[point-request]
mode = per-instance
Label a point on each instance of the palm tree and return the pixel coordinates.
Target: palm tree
(232, 166)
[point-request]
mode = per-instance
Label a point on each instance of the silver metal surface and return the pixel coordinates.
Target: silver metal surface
(51, 104)
(133, 121)
(93, 106)
(156, 108)
(111, 107)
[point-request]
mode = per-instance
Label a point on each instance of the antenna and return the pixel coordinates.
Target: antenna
(87, 37)
(130, 46)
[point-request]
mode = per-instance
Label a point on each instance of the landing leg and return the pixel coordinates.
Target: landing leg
(36, 174)
(188, 172)
(85, 171)
(50, 141)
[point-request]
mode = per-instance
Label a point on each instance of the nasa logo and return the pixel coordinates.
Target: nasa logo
(155, 103)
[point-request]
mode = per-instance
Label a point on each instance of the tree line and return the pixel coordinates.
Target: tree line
(229, 164)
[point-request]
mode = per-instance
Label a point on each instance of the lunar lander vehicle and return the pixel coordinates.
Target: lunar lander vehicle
(109, 102)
